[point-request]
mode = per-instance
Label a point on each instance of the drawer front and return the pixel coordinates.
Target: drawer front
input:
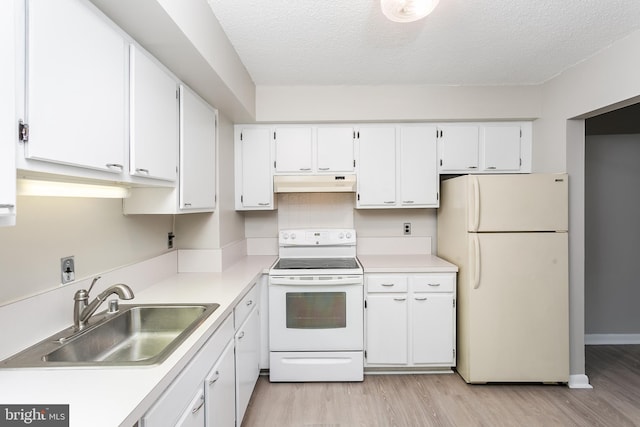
(248, 302)
(387, 283)
(433, 283)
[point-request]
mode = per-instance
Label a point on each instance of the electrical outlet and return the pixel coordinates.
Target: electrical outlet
(407, 228)
(67, 269)
(170, 237)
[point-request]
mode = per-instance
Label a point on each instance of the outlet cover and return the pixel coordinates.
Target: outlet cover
(67, 269)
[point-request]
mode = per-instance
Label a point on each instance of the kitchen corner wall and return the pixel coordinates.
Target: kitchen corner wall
(95, 231)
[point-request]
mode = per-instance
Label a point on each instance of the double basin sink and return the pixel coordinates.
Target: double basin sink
(135, 335)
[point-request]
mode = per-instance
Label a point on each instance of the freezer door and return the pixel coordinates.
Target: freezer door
(516, 313)
(530, 202)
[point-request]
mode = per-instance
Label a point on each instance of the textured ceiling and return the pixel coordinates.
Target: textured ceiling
(463, 42)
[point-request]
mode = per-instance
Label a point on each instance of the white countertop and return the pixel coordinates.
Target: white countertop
(120, 396)
(405, 264)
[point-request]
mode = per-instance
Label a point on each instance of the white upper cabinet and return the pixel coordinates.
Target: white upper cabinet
(293, 150)
(8, 127)
(198, 123)
(397, 167)
(418, 172)
(253, 169)
(501, 148)
(376, 167)
(153, 129)
(313, 149)
(458, 148)
(485, 147)
(335, 149)
(76, 86)
(196, 189)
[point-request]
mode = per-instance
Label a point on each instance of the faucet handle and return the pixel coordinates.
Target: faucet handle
(93, 282)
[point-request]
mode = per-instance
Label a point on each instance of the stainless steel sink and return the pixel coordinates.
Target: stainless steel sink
(138, 334)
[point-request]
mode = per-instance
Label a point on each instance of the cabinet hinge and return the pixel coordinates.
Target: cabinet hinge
(358, 196)
(520, 133)
(521, 161)
(358, 133)
(354, 163)
(241, 198)
(365, 303)
(240, 136)
(177, 93)
(23, 131)
(365, 354)
(438, 198)
(274, 164)
(454, 354)
(274, 135)
(440, 162)
(454, 303)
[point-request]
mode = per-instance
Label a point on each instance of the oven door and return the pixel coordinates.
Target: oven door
(316, 313)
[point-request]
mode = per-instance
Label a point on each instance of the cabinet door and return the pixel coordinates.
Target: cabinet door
(8, 131)
(197, 152)
(153, 129)
(76, 81)
(220, 391)
(418, 168)
(194, 415)
(458, 148)
(293, 150)
(247, 361)
(335, 149)
(432, 325)
(254, 181)
(387, 329)
(377, 167)
(500, 148)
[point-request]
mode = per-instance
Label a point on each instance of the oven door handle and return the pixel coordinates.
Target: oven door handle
(316, 281)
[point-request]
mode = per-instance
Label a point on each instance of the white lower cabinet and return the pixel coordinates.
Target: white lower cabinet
(247, 340)
(410, 320)
(183, 403)
(219, 391)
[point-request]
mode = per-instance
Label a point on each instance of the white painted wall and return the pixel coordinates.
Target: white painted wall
(93, 230)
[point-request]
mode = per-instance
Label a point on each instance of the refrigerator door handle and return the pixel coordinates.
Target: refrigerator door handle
(475, 203)
(476, 265)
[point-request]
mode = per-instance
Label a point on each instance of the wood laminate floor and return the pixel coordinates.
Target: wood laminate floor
(446, 400)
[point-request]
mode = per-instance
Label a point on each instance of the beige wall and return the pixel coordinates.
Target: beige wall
(606, 81)
(93, 230)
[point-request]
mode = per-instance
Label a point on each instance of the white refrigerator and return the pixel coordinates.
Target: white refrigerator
(508, 235)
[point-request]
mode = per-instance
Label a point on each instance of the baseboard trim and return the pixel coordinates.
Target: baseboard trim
(611, 339)
(579, 381)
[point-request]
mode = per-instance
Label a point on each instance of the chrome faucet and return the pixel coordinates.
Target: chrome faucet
(83, 310)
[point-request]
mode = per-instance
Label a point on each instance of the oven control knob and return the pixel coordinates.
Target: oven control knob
(341, 236)
(293, 236)
(348, 235)
(285, 236)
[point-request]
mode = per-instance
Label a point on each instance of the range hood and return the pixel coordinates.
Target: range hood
(314, 183)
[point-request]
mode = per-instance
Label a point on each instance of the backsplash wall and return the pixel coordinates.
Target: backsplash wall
(378, 227)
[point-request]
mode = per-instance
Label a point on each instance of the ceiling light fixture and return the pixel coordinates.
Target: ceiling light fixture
(407, 10)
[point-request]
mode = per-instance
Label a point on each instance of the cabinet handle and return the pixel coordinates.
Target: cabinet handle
(433, 284)
(472, 167)
(115, 166)
(187, 204)
(241, 335)
(249, 302)
(491, 167)
(400, 299)
(421, 298)
(263, 204)
(305, 169)
(6, 206)
(144, 171)
(323, 169)
(408, 201)
(197, 408)
(215, 378)
(387, 284)
(389, 202)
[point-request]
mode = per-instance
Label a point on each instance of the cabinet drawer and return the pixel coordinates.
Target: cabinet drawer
(433, 283)
(243, 308)
(387, 283)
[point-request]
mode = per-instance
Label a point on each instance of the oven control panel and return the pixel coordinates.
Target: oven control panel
(317, 237)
